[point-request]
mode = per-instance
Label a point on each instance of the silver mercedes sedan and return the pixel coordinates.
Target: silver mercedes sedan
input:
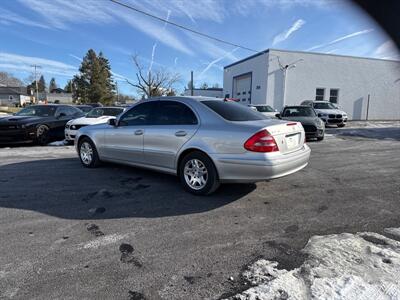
(204, 141)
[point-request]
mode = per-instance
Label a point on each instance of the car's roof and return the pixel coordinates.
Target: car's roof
(317, 101)
(185, 98)
(295, 106)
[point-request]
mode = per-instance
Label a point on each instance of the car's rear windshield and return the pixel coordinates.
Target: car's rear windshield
(233, 111)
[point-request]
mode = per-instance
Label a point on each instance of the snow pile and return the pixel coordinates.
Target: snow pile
(341, 266)
(58, 143)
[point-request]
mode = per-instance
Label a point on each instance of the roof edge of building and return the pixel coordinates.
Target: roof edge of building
(307, 52)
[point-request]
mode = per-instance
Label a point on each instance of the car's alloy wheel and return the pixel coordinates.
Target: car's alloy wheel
(42, 135)
(198, 173)
(88, 153)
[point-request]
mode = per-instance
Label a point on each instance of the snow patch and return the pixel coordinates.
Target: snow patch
(103, 241)
(339, 266)
(58, 143)
(393, 231)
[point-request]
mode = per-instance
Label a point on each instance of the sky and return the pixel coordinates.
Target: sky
(56, 34)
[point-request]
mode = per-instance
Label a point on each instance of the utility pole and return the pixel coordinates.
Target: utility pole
(116, 86)
(36, 82)
(191, 83)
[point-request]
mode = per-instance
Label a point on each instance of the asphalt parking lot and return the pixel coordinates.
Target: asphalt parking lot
(123, 233)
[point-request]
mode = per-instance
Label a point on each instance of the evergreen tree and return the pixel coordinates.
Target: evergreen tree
(41, 84)
(94, 83)
(68, 87)
(52, 84)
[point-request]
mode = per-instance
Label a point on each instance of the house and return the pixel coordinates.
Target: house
(59, 97)
(360, 86)
(208, 92)
(13, 96)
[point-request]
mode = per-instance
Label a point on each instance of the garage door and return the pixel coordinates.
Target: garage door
(242, 88)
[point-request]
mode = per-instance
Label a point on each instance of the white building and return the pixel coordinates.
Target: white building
(208, 92)
(281, 77)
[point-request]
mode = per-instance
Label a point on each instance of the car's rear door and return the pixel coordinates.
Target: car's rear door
(174, 124)
(125, 141)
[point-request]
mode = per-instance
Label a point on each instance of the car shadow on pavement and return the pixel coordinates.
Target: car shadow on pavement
(381, 133)
(65, 189)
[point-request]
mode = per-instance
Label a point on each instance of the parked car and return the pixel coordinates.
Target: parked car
(266, 110)
(84, 108)
(37, 123)
(306, 115)
(97, 115)
(204, 141)
(328, 112)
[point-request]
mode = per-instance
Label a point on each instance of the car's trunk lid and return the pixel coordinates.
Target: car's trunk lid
(289, 135)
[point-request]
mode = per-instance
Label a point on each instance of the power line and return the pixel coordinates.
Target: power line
(183, 27)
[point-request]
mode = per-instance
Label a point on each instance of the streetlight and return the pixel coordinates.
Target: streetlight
(284, 69)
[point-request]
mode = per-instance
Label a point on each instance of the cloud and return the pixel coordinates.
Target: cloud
(15, 62)
(387, 50)
(61, 14)
(7, 18)
(340, 39)
(248, 7)
(153, 52)
(287, 33)
(216, 61)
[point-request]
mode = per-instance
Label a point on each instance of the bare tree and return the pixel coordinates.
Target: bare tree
(7, 79)
(159, 82)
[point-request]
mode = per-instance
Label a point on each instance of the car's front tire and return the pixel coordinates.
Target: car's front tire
(198, 174)
(88, 153)
(341, 125)
(42, 135)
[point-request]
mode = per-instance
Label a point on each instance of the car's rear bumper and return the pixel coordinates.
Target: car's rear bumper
(255, 168)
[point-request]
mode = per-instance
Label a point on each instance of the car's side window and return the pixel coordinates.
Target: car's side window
(174, 113)
(140, 114)
(62, 111)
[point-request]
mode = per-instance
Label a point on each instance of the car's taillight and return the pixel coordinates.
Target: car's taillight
(262, 141)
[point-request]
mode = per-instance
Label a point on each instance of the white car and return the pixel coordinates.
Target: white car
(98, 115)
(328, 112)
(266, 110)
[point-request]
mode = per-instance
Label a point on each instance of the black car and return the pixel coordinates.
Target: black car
(84, 108)
(313, 126)
(38, 123)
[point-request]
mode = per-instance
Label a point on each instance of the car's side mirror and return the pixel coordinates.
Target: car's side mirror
(278, 116)
(112, 122)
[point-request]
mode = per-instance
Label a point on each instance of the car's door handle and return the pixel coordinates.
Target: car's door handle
(139, 132)
(181, 133)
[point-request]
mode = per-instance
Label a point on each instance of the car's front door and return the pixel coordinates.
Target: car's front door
(124, 142)
(174, 124)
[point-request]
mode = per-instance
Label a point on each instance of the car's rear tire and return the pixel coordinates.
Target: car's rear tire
(198, 174)
(341, 125)
(88, 153)
(42, 135)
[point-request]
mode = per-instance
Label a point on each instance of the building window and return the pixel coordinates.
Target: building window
(334, 95)
(319, 94)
